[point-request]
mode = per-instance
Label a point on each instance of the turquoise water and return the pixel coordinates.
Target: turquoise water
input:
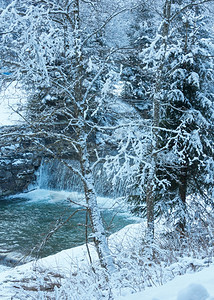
(25, 220)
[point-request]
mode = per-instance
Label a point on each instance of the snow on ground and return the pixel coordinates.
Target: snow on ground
(3, 268)
(11, 98)
(64, 262)
(194, 286)
(191, 286)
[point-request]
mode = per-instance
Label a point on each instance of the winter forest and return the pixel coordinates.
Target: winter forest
(126, 89)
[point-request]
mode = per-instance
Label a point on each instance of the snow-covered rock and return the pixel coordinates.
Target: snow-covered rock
(193, 292)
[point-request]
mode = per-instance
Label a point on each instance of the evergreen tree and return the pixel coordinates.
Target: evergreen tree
(136, 80)
(182, 58)
(188, 108)
(169, 154)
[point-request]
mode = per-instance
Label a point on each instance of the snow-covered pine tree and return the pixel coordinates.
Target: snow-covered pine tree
(170, 156)
(188, 110)
(152, 58)
(181, 59)
(135, 79)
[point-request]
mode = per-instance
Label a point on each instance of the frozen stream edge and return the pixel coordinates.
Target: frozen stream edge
(67, 260)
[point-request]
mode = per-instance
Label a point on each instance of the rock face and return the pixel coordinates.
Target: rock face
(18, 163)
(20, 159)
(16, 173)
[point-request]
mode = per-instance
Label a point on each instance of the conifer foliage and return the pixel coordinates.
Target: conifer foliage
(182, 57)
(170, 152)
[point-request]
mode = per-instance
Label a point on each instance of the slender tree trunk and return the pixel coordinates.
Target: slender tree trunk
(98, 230)
(152, 181)
(183, 194)
(150, 212)
(99, 234)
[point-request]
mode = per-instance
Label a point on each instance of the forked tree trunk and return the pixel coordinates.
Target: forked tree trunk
(99, 234)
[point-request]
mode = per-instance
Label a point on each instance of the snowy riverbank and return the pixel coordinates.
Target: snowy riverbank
(71, 262)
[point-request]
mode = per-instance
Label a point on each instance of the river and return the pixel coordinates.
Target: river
(26, 219)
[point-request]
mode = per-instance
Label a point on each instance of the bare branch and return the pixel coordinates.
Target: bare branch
(107, 21)
(189, 6)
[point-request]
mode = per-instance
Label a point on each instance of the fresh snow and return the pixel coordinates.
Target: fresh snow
(4, 268)
(193, 291)
(194, 286)
(191, 286)
(63, 262)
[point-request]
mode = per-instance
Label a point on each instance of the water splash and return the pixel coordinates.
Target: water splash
(54, 175)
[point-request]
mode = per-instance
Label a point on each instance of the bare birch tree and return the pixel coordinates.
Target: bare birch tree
(51, 49)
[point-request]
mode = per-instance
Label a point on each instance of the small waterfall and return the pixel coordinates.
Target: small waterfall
(54, 175)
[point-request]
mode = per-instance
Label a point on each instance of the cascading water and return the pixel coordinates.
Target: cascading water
(54, 175)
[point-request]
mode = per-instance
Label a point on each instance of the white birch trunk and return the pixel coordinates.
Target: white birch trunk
(99, 234)
(98, 230)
